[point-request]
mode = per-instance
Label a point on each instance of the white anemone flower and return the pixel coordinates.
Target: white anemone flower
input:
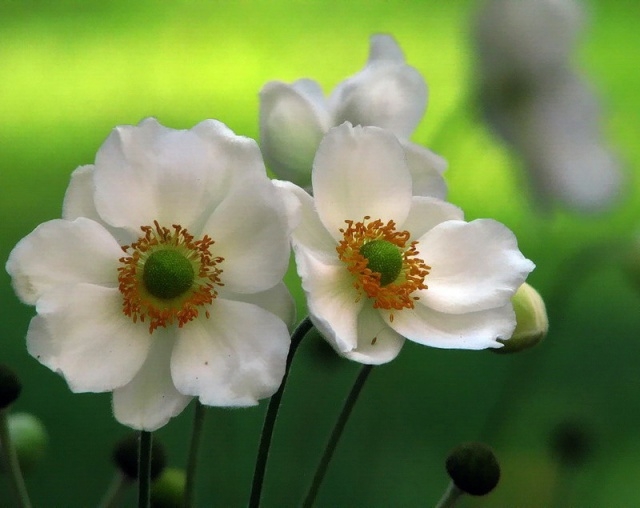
(387, 93)
(379, 264)
(163, 280)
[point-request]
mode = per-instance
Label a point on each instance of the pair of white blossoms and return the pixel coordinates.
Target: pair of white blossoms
(163, 279)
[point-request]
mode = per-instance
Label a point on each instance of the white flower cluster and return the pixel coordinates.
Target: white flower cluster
(162, 281)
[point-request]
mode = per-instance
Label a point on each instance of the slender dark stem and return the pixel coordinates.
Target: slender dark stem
(349, 403)
(196, 435)
(12, 466)
(270, 419)
(450, 496)
(118, 486)
(144, 469)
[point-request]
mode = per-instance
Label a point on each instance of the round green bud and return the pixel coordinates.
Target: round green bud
(473, 468)
(384, 258)
(167, 491)
(29, 438)
(125, 456)
(10, 386)
(167, 274)
(532, 323)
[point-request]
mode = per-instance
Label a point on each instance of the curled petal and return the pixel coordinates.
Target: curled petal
(474, 266)
(293, 119)
(63, 252)
(358, 172)
(81, 333)
(472, 330)
(235, 358)
(150, 399)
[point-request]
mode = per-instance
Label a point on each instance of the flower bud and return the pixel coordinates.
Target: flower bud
(473, 468)
(571, 443)
(167, 491)
(125, 456)
(532, 323)
(29, 438)
(10, 386)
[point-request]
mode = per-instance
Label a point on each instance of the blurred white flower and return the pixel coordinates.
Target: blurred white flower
(537, 102)
(379, 264)
(387, 93)
(163, 279)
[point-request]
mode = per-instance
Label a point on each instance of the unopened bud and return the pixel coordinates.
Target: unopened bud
(167, 491)
(10, 386)
(532, 323)
(29, 438)
(473, 468)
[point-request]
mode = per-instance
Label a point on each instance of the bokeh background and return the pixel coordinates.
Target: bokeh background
(70, 71)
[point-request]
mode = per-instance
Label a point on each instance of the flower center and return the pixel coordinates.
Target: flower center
(385, 266)
(168, 276)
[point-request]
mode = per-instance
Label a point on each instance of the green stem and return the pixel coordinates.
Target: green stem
(12, 465)
(270, 419)
(450, 496)
(144, 469)
(349, 403)
(116, 490)
(196, 439)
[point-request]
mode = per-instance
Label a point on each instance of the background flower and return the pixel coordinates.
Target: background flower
(437, 280)
(190, 204)
(387, 93)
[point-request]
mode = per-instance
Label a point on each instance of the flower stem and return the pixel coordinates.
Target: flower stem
(12, 465)
(450, 496)
(349, 403)
(116, 490)
(144, 469)
(196, 435)
(272, 412)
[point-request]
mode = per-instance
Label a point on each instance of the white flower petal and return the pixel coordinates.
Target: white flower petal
(332, 301)
(474, 266)
(358, 172)
(309, 232)
(82, 334)
(250, 232)
(293, 119)
(149, 172)
(387, 93)
(427, 213)
(473, 330)
(150, 399)
(78, 199)
(277, 300)
(377, 342)
(63, 252)
(234, 358)
(426, 171)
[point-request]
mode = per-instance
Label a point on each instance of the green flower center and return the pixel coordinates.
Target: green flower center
(383, 257)
(167, 274)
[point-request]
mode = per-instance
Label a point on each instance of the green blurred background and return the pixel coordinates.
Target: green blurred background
(70, 71)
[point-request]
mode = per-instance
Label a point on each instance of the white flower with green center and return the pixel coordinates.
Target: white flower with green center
(163, 279)
(387, 93)
(379, 264)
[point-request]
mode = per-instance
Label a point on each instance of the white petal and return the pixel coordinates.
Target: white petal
(473, 330)
(235, 358)
(474, 266)
(293, 119)
(150, 399)
(82, 334)
(332, 300)
(287, 192)
(250, 232)
(377, 342)
(277, 300)
(63, 252)
(387, 93)
(358, 172)
(78, 199)
(149, 172)
(310, 233)
(426, 171)
(427, 213)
